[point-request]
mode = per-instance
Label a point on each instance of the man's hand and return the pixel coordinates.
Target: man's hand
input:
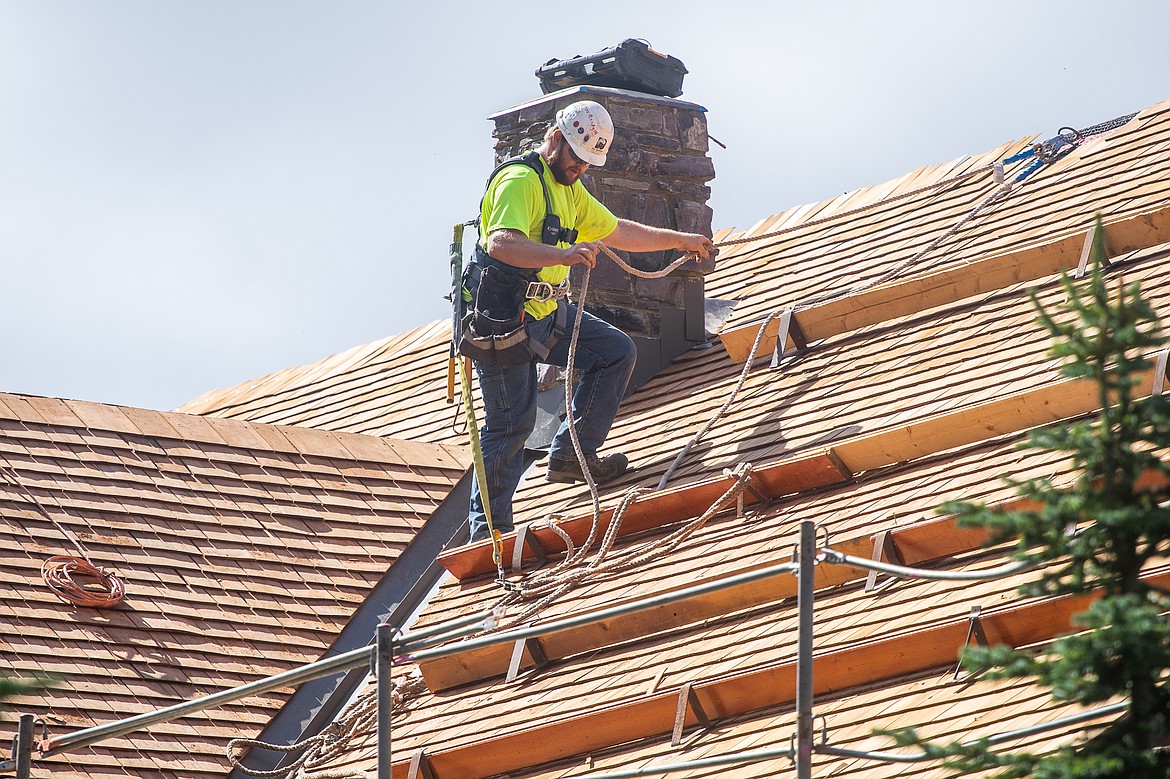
(584, 253)
(697, 243)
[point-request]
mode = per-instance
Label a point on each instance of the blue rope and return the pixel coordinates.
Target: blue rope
(1028, 171)
(1025, 154)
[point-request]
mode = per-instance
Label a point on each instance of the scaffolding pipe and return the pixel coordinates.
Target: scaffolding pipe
(535, 631)
(344, 662)
(804, 649)
(755, 756)
(22, 755)
(409, 651)
(998, 738)
(440, 628)
(904, 572)
(385, 661)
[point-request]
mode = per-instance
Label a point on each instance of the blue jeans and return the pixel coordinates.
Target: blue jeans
(605, 357)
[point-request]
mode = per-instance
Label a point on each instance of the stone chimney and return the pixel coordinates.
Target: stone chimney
(656, 173)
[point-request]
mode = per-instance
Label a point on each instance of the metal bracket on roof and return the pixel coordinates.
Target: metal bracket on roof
(1091, 238)
(974, 630)
(1160, 372)
(883, 549)
(420, 766)
(532, 646)
(789, 328)
(733, 473)
(687, 699)
(524, 535)
(838, 463)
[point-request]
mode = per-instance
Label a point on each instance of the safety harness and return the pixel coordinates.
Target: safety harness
(493, 324)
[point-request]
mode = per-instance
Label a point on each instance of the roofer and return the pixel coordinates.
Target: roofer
(537, 220)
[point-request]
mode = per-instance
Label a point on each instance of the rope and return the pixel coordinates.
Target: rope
(573, 436)
(358, 718)
(996, 195)
(550, 584)
(76, 580)
(859, 210)
(559, 579)
(83, 583)
(1000, 192)
(743, 374)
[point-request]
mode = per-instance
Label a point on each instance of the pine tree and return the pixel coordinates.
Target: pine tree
(12, 687)
(1097, 537)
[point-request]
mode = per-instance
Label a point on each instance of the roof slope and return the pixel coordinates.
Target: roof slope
(925, 405)
(245, 549)
(393, 387)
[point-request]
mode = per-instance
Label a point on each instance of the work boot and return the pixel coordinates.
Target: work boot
(603, 469)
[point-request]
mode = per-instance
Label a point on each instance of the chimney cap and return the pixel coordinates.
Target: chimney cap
(628, 94)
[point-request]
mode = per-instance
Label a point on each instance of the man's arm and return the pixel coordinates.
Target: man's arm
(636, 237)
(515, 248)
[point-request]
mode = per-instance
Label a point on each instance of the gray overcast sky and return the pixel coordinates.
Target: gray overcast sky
(193, 194)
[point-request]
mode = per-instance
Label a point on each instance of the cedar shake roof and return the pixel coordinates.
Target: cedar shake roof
(393, 387)
(914, 390)
(245, 549)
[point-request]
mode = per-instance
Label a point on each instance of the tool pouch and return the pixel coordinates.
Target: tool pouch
(495, 330)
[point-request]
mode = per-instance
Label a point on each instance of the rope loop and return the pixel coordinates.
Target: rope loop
(82, 583)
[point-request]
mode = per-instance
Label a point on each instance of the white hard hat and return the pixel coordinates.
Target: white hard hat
(588, 129)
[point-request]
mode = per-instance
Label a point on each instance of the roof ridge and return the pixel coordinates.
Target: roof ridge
(298, 376)
(218, 431)
(795, 215)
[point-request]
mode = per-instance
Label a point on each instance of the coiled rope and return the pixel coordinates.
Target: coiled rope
(77, 580)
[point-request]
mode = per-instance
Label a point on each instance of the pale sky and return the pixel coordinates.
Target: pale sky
(194, 194)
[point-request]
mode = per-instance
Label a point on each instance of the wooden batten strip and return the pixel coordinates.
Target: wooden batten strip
(898, 299)
(919, 543)
(915, 544)
(794, 475)
(775, 685)
(1011, 414)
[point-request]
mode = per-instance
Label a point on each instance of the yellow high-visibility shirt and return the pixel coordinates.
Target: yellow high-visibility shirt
(514, 201)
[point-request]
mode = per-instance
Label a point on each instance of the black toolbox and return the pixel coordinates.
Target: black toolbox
(632, 64)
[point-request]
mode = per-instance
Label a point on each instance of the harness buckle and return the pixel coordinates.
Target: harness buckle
(542, 291)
